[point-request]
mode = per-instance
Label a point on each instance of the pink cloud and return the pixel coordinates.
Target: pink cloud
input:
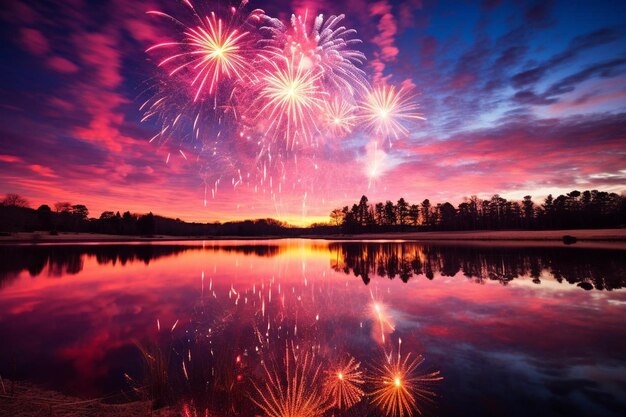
(42, 170)
(460, 81)
(34, 42)
(9, 158)
(406, 12)
(100, 51)
(385, 39)
(62, 65)
(428, 49)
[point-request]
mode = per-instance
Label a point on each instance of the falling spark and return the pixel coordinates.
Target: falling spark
(379, 312)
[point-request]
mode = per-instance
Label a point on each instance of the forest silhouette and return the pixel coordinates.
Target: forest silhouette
(574, 210)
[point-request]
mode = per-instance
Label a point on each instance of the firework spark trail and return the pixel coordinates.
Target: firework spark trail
(378, 311)
(398, 390)
(343, 383)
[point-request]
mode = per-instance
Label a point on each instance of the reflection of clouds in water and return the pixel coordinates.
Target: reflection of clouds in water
(464, 328)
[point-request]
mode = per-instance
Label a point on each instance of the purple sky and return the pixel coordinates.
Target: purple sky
(519, 98)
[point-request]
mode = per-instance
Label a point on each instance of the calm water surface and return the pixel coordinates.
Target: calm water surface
(513, 331)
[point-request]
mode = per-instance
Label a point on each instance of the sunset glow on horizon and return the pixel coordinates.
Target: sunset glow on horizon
(423, 99)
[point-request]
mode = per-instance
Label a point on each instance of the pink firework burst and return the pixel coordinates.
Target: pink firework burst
(339, 116)
(325, 46)
(212, 50)
(387, 111)
(291, 100)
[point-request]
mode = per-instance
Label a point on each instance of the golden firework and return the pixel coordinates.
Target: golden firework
(342, 383)
(398, 390)
(294, 390)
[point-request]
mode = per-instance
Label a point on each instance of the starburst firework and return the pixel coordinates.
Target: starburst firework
(213, 50)
(387, 111)
(398, 389)
(342, 383)
(326, 47)
(339, 116)
(291, 99)
(293, 390)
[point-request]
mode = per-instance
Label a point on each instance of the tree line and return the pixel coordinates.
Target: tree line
(592, 268)
(587, 209)
(574, 210)
(16, 215)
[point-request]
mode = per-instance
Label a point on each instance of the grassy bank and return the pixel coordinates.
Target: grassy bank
(27, 400)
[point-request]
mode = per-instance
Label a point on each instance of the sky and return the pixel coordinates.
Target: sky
(519, 98)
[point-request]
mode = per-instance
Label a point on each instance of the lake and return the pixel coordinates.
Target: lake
(238, 327)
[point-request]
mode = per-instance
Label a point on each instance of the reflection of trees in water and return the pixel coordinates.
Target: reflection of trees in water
(589, 268)
(59, 260)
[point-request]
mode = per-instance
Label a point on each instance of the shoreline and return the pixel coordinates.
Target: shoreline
(581, 235)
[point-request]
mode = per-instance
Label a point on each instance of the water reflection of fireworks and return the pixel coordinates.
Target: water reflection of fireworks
(265, 348)
(342, 383)
(398, 389)
(292, 389)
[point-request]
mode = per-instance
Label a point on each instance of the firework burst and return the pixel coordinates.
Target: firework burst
(292, 391)
(398, 390)
(251, 94)
(342, 383)
(291, 100)
(326, 47)
(212, 50)
(339, 117)
(388, 110)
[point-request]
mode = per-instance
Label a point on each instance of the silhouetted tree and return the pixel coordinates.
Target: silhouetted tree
(362, 214)
(402, 209)
(379, 213)
(447, 216)
(80, 211)
(426, 213)
(528, 208)
(414, 214)
(336, 217)
(145, 224)
(390, 213)
(44, 217)
(15, 200)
